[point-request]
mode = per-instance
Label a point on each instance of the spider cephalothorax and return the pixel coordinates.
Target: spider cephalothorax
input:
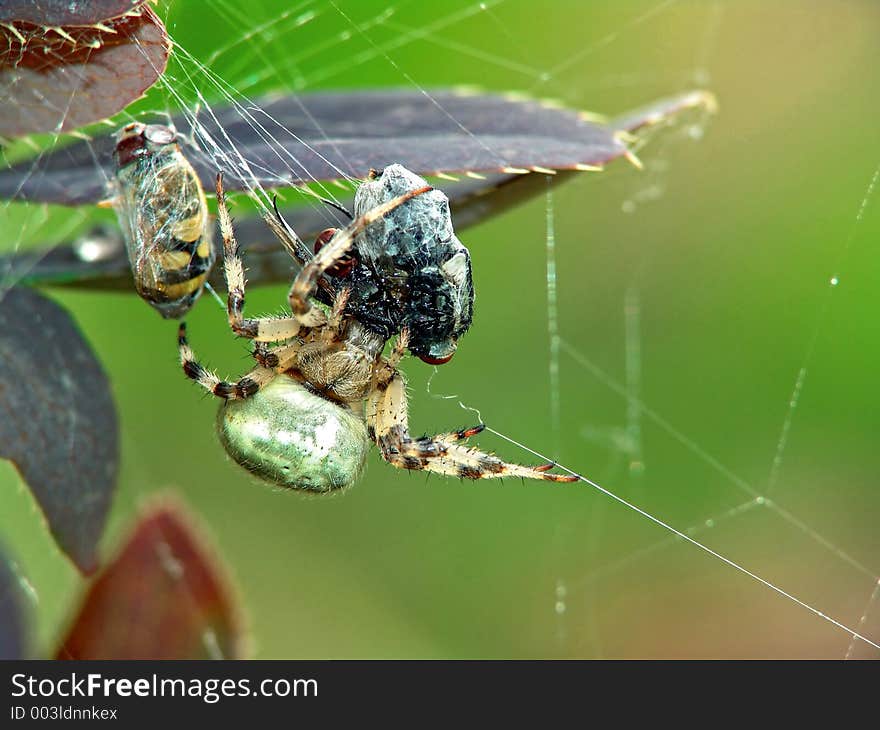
(305, 415)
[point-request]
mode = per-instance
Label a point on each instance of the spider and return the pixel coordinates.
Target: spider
(305, 416)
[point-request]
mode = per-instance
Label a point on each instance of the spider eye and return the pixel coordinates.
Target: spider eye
(342, 268)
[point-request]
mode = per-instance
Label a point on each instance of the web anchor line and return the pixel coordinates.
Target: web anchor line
(678, 533)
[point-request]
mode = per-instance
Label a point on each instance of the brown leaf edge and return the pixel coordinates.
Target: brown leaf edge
(131, 50)
(64, 12)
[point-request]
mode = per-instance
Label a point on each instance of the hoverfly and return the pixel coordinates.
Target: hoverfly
(164, 218)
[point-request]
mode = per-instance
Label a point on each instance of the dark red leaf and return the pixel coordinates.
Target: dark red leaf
(163, 597)
(57, 420)
(56, 79)
(65, 12)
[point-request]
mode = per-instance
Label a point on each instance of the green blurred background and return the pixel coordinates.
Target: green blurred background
(723, 248)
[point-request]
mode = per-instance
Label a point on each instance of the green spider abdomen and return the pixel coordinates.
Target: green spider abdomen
(294, 438)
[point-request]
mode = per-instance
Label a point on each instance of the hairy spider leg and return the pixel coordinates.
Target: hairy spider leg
(284, 233)
(264, 329)
(385, 368)
(387, 422)
(282, 357)
(278, 358)
(271, 362)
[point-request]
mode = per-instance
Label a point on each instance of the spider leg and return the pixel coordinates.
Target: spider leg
(244, 387)
(283, 356)
(333, 251)
(265, 329)
(386, 368)
(387, 421)
(278, 358)
(333, 331)
(393, 360)
(286, 235)
(293, 243)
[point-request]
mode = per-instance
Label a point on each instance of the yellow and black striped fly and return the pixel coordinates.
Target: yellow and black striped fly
(164, 218)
